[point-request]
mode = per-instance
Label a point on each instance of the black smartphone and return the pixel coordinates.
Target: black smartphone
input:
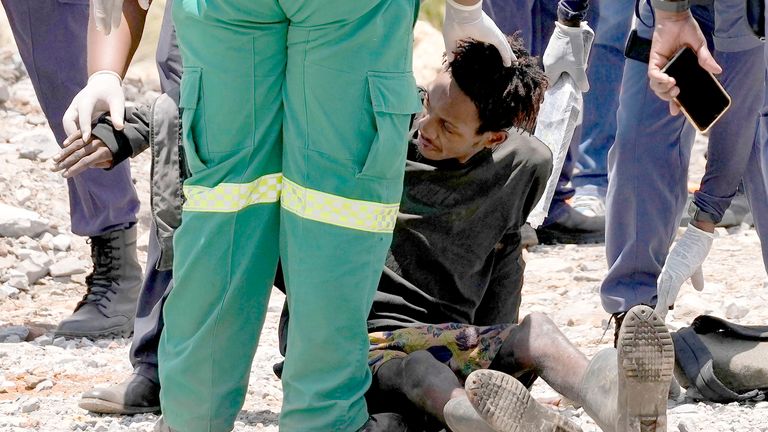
(637, 47)
(702, 99)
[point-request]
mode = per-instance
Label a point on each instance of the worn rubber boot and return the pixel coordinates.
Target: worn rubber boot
(137, 394)
(461, 416)
(385, 422)
(109, 306)
(506, 405)
(625, 390)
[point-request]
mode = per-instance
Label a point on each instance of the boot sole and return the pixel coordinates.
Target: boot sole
(561, 237)
(646, 359)
(124, 331)
(506, 405)
(101, 406)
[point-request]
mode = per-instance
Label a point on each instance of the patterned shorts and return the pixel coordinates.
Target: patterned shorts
(462, 347)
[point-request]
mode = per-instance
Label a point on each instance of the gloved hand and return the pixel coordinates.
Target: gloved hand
(108, 13)
(103, 92)
(463, 22)
(683, 262)
(568, 52)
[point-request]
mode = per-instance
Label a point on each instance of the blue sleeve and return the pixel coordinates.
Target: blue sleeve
(572, 10)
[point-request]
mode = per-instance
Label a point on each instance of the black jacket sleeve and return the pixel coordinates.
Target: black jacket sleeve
(129, 142)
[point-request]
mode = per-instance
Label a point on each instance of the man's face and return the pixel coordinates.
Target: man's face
(448, 125)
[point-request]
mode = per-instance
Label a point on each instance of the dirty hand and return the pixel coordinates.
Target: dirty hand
(675, 30)
(108, 13)
(78, 155)
(568, 52)
(462, 22)
(683, 262)
(104, 92)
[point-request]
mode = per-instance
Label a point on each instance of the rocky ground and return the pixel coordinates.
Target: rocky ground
(43, 268)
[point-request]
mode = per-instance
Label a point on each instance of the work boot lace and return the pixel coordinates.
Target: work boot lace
(105, 264)
(618, 319)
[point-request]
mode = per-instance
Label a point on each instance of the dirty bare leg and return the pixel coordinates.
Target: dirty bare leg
(537, 344)
(426, 382)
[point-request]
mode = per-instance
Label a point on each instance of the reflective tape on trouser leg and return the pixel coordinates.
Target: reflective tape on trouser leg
(232, 197)
(336, 210)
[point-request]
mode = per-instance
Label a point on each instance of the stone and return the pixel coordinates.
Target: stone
(17, 222)
(761, 405)
(12, 339)
(22, 195)
(44, 340)
(36, 144)
(17, 280)
(8, 291)
(36, 119)
(44, 385)
(61, 242)
(31, 381)
(60, 342)
(5, 93)
(35, 267)
(30, 405)
(68, 266)
(736, 311)
(551, 265)
(19, 331)
(686, 425)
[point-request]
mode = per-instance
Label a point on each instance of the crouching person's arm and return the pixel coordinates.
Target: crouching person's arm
(107, 146)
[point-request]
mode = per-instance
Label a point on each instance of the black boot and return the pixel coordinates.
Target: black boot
(109, 307)
(137, 394)
(385, 422)
(572, 227)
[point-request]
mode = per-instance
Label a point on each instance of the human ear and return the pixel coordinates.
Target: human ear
(493, 139)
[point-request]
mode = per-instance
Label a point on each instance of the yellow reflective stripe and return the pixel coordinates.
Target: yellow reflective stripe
(339, 211)
(232, 197)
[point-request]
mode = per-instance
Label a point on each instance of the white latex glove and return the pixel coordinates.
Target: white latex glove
(568, 52)
(462, 22)
(108, 13)
(683, 262)
(104, 92)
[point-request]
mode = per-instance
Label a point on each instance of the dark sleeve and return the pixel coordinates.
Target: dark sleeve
(129, 142)
(572, 10)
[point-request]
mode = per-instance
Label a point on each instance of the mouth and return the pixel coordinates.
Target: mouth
(425, 144)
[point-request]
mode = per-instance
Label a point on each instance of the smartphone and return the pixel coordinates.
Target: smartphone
(702, 99)
(637, 47)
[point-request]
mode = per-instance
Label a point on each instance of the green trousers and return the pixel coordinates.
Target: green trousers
(295, 115)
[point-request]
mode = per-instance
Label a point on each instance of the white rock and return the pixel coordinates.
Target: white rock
(30, 405)
(12, 339)
(36, 144)
(5, 93)
(687, 425)
(8, 291)
(68, 266)
(17, 280)
(19, 331)
(60, 342)
(736, 311)
(61, 242)
(16, 222)
(44, 385)
(22, 195)
(44, 340)
(35, 267)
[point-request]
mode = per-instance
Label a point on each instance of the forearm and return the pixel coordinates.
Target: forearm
(115, 52)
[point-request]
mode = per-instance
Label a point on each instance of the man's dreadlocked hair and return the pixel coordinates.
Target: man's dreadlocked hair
(504, 96)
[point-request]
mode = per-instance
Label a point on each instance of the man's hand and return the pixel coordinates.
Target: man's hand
(683, 262)
(674, 31)
(568, 52)
(107, 14)
(103, 92)
(78, 155)
(462, 22)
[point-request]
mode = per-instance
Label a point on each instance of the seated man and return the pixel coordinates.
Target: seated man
(455, 272)
(470, 182)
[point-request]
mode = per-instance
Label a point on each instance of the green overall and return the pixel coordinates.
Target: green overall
(294, 122)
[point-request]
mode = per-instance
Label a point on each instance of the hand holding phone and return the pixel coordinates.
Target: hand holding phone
(702, 99)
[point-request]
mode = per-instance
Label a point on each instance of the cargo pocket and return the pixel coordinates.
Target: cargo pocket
(394, 98)
(193, 131)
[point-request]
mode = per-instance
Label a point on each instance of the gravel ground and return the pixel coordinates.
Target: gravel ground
(41, 378)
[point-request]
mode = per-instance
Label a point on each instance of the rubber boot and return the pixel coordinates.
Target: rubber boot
(108, 308)
(461, 416)
(506, 405)
(137, 394)
(625, 389)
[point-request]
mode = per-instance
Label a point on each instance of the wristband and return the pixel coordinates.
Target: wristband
(675, 6)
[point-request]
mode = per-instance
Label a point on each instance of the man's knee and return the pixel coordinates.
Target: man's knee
(538, 323)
